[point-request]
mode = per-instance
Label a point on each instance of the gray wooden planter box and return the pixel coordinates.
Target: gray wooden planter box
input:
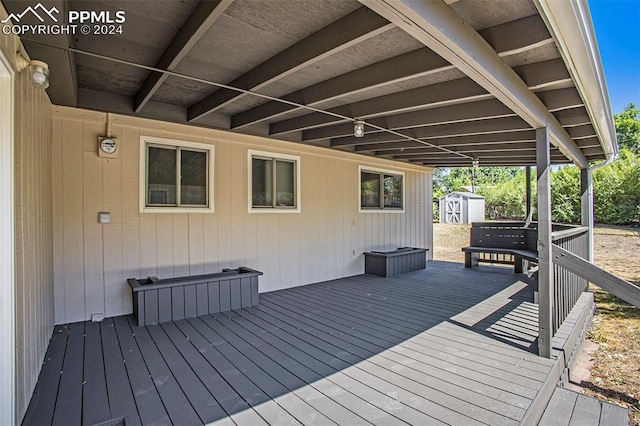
(156, 301)
(395, 262)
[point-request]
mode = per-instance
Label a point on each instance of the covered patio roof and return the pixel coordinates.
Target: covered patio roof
(437, 83)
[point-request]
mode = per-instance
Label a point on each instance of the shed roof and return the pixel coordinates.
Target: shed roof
(463, 195)
(437, 83)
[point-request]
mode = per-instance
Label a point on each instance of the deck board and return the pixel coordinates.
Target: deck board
(95, 401)
(43, 401)
(401, 328)
(445, 345)
(173, 398)
(120, 394)
(437, 392)
(569, 408)
(148, 402)
(68, 409)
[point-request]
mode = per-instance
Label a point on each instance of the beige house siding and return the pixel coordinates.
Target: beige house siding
(33, 227)
(325, 241)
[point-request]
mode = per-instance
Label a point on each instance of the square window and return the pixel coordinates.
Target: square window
(381, 190)
(176, 176)
(274, 182)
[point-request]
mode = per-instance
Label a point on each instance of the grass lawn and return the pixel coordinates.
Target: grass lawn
(615, 374)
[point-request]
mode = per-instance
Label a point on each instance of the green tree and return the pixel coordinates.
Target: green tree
(617, 190)
(565, 195)
(628, 128)
(447, 180)
(506, 199)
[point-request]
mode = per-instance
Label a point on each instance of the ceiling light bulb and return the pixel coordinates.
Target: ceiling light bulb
(39, 74)
(39, 77)
(476, 163)
(358, 128)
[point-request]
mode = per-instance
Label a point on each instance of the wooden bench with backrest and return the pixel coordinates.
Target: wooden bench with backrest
(502, 243)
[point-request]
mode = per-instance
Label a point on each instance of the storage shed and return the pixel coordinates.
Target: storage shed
(461, 207)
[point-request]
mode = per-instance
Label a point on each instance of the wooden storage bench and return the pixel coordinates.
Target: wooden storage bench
(156, 301)
(395, 262)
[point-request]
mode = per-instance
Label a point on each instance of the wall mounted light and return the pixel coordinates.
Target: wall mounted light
(358, 128)
(38, 70)
(476, 163)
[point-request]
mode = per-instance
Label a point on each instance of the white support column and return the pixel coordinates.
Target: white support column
(586, 200)
(545, 262)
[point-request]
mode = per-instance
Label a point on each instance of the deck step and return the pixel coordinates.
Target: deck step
(571, 408)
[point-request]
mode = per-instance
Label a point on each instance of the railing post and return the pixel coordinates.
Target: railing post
(545, 262)
(586, 200)
(527, 172)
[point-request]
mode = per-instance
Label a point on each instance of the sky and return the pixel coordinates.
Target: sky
(617, 26)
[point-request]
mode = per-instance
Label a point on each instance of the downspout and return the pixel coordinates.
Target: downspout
(612, 158)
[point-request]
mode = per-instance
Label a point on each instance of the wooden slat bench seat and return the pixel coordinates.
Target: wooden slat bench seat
(473, 255)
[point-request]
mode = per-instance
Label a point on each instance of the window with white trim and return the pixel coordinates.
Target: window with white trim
(176, 176)
(274, 182)
(381, 190)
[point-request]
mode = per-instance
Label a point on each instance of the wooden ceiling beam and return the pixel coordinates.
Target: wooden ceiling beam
(507, 39)
(560, 99)
(528, 156)
(348, 31)
(198, 23)
(417, 63)
(441, 29)
(491, 138)
(517, 162)
(479, 110)
(573, 117)
(441, 94)
(480, 127)
(582, 132)
(120, 104)
(484, 160)
(539, 75)
(311, 123)
(413, 152)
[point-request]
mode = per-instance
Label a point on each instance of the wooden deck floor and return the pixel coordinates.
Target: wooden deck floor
(446, 345)
(567, 408)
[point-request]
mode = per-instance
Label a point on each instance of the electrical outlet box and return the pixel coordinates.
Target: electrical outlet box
(104, 218)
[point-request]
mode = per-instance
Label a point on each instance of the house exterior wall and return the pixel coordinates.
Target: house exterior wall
(34, 316)
(324, 241)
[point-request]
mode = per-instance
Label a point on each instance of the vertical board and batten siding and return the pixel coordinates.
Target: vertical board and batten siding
(34, 311)
(325, 241)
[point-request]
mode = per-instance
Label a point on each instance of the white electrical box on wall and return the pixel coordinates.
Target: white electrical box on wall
(108, 147)
(104, 218)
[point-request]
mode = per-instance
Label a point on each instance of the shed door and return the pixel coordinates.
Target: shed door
(453, 210)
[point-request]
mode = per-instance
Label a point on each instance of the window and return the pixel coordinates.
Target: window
(176, 176)
(381, 190)
(274, 182)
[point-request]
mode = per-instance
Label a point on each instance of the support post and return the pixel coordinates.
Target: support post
(586, 200)
(545, 261)
(527, 172)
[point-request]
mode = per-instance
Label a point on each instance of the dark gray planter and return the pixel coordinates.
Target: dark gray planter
(156, 301)
(395, 262)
